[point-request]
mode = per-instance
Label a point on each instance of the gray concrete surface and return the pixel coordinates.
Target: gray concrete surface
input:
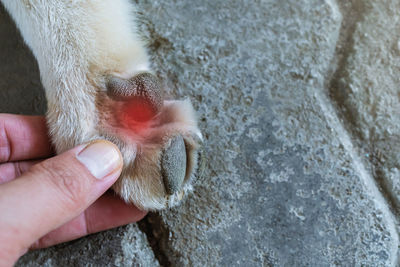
(299, 104)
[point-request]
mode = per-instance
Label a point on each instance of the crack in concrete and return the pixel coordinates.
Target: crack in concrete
(343, 120)
(369, 181)
(344, 47)
(156, 237)
(337, 94)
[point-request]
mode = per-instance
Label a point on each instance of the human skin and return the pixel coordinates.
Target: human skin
(47, 199)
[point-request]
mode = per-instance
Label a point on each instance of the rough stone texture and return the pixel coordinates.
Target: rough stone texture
(299, 105)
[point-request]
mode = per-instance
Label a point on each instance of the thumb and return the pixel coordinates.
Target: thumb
(55, 191)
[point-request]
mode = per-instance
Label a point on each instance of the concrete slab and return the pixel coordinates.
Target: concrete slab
(284, 184)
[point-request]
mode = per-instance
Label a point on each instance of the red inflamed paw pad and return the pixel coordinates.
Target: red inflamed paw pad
(139, 109)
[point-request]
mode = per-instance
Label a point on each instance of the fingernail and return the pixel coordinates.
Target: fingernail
(101, 158)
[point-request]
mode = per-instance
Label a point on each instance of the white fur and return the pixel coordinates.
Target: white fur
(77, 43)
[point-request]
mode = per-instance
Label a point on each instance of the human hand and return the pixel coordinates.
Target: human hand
(45, 202)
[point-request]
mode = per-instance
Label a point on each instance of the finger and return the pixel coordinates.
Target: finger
(23, 137)
(110, 212)
(107, 212)
(54, 192)
(11, 170)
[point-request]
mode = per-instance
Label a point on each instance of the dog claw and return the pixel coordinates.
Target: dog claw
(173, 165)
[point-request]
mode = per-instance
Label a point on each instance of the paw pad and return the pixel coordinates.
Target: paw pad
(142, 95)
(173, 165)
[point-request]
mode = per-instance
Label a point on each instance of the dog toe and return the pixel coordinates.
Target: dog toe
(173, 165)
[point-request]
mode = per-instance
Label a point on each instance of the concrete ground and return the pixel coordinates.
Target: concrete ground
(299, 102)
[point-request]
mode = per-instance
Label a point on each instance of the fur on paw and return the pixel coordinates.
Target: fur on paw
(159, 140)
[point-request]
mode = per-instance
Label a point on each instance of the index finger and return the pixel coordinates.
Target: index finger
(23, 137)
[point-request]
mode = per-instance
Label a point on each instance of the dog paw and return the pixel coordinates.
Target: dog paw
(95, 71)
(159, 140)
